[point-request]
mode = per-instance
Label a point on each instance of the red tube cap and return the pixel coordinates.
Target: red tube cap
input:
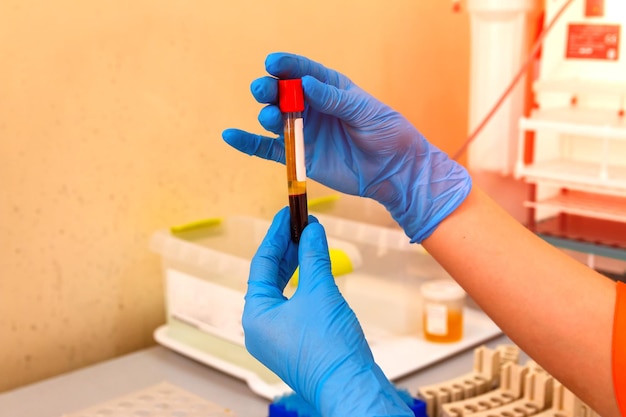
(290, 95)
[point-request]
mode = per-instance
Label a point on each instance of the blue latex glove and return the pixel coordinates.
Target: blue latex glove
(312, 341)
(358, 145)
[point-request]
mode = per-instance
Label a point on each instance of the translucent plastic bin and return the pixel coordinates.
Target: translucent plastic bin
(383, 287)
(206, 271)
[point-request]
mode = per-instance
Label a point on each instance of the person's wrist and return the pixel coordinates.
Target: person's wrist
(360, 391)
(429, 188)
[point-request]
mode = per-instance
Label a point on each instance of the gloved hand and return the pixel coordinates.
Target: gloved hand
(313, 341)
(358, 145)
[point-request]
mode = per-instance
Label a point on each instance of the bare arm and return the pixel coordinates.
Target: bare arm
(556, 309)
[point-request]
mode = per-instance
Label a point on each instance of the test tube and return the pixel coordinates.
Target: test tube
(291, 103)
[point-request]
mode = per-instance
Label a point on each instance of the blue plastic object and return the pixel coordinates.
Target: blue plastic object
(416, 405)
(293, 405)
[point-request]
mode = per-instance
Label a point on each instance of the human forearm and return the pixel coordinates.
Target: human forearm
(557, 310)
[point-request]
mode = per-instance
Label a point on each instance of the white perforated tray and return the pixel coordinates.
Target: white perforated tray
(396, 355)
(161, 400)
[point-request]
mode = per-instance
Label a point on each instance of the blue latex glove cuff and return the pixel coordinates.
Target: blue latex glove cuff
(433, 186)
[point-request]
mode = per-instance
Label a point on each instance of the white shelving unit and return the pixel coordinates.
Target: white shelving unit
(583, 204)
(576, 162)
(597, 167)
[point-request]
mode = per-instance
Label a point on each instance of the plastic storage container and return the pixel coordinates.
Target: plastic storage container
(210, 265)
(377, 270)
(443, 304)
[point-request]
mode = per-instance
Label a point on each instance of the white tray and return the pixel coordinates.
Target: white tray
(396, 355)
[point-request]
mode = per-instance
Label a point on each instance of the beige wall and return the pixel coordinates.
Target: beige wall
(110, 121)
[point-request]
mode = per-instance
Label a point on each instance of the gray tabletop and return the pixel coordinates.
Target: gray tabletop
(107, 380)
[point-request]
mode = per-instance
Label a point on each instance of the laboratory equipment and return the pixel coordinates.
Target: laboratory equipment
(292, 405)
(499, 386)
(575, 133)
(481, 379)
(537, 397)
(160, 400)
(511, 388)
(291, 103)
(443, 304)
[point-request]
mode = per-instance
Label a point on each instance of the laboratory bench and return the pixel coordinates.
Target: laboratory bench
(86, 387)
(100, 383)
